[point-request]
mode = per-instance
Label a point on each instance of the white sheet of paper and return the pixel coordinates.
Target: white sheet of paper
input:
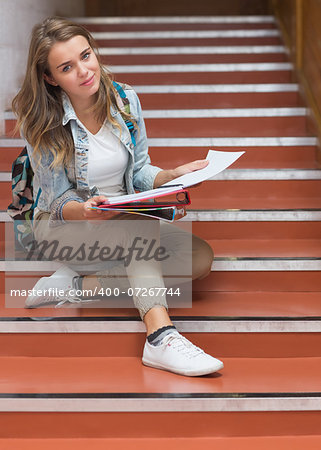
(218, 161)
(139, 196)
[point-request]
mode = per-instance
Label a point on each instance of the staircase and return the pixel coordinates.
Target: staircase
(73, 378)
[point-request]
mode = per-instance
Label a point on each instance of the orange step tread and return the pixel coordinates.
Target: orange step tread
(194, 58)
(159, 443)
(175, 425)
(300, 157)
(226, 127)
(226, 345)
(259, 248)
(239, 194)
(198, 42)
(281, 76)
(128, 374)
(295, 248)
(101, 27)
(219, 100)
(204, 304)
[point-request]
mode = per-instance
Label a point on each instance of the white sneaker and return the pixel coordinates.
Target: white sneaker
(177, 354)
(56, 289)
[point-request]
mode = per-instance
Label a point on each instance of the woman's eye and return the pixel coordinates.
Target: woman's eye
(66, 68)
(86, 55)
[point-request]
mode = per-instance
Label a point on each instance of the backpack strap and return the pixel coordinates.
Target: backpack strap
(126, 108)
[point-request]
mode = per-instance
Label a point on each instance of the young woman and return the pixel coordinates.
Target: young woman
(73, 122)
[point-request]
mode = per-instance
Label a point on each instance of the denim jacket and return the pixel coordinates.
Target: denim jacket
(63, 184)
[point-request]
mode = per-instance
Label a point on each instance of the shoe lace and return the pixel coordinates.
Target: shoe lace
(67, 298)
(183, 345)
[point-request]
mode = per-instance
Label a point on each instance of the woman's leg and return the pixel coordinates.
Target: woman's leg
(164, 348)
(129, 232)
(179, 243)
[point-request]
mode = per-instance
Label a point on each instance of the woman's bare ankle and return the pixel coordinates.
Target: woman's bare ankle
(156, 318)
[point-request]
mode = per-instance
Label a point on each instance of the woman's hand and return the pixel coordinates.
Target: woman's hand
(74, 210)
(96, 214)
(168, 175)
(190, 167)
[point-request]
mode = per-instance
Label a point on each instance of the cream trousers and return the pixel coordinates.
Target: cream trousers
(128, 251)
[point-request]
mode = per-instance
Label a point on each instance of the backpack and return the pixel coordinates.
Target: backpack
(23, 204)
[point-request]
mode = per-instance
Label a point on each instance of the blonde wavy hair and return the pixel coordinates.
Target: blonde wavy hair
(38, 105)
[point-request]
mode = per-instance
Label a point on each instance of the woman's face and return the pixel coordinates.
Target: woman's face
(74, 67)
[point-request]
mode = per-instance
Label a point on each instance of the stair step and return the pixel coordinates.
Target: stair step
(240, 194)
(200, 68)
(273, 194)
(201, 41)
(182, 425)
(220, 95)
(210, 88)
(176, 26)
(156, 38)
(209, 25)
(98, 384)
(220, 264)
(256, 157)
(168, 156)
(206, 73)
(242, 224)
(249, 325)
(260, 151)
(224, 127)
(194, 50)
(193, 58)
(205, 96)
(176, 78)
(125, 20)
(288, 274)
(282, 306)
(246, 174)
(191, 425)
(68, 336)
(195, 443)
(118, 375)
(203, 100)
(256, 228)
(255, 248)
(294, 280)
(186, 34)
(225, 113)
(207, 100)
(202, 123)
(215, 142)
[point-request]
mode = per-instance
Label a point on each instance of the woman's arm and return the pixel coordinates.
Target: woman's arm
(147, 176)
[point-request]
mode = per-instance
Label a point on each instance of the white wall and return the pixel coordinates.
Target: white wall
(17, 17)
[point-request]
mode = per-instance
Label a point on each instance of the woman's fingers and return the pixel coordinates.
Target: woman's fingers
(97, 200)
(191, 166)
(97, 214)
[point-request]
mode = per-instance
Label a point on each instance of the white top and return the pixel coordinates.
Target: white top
(107, 162)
